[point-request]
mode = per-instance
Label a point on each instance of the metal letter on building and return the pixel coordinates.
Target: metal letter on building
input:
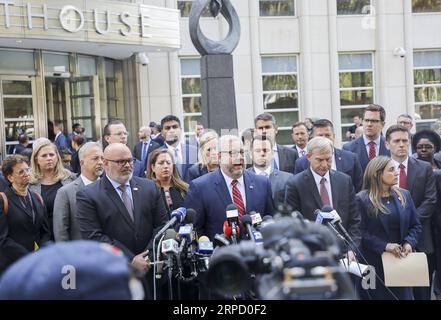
(97, 23)
(123, 17)
(65, 18)
(30, 15)
(6, 3)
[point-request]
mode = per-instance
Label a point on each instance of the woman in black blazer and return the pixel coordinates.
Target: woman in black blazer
(162, 170)
(389, 223)
(23, 218)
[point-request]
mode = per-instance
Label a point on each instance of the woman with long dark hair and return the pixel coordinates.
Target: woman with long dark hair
(389, 223)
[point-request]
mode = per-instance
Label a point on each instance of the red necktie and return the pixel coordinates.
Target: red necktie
(324, 192)
(371, 150)
(237, 199)
(403, 176)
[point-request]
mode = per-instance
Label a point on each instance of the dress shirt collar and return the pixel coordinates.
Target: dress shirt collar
(377, 141)
(228, 180)
(87, 181)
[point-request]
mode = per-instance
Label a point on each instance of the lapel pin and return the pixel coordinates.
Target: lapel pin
(135, 189)
(251, 187)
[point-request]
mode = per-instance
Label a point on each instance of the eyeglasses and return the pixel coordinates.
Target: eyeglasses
(123, 162)
(22, 172)
(373, 121)
(234, 153)
(119, 134)
(424, 146)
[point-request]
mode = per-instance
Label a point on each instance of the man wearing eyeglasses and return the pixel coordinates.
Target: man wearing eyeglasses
(371, 144)
(211, 193)
(121, 209)
(115, 132)
(184, 155)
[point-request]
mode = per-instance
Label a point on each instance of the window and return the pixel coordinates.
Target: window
(419, 6)
(351, 7)
(273, 8)
(280, 93)
(115, 109)
(191, 93)
(185, 8)
(356, 86)
(427, 88)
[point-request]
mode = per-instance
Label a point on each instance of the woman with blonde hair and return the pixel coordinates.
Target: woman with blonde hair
(389, 223)
(208, 159)
(48, 174)
(161, 169)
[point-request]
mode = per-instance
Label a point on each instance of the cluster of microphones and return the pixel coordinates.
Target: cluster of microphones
(249, 245)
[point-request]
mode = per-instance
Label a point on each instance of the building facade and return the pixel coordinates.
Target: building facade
(295, 59)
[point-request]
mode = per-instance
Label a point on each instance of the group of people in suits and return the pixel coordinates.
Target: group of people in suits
(112, 201)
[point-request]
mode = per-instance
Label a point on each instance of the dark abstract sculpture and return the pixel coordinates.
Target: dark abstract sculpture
(217, 83)
(204, 45)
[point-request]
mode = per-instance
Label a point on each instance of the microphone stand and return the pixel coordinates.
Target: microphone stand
(170, 276)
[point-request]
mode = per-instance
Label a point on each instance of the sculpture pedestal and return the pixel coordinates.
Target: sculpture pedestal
(217, 89)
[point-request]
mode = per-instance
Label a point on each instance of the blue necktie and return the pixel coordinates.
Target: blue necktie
(144, 151)
(275, 166)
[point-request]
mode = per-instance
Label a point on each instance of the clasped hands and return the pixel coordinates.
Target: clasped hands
(399, 251)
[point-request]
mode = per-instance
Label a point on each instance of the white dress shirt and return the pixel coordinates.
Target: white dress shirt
(377, 145)
(318, 178)
(240, 186)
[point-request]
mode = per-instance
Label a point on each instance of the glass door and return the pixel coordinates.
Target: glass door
(85, 105)
(17, 110)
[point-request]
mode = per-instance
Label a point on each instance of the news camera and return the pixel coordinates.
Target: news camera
(298, 260)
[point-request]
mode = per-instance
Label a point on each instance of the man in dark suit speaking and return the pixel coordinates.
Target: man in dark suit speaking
(319, 185)
(120, 209)
(210, 194)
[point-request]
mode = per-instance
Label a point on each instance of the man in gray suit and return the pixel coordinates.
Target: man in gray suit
(262, 149)
(284, 158)
(65, 224)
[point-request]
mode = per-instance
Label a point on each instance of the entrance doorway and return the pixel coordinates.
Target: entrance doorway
(17, 110)
(74, 100)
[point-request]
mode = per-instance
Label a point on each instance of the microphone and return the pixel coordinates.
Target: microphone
(169, 245)
(177, 215)
(323, 217)
(228, 231)
(233, 220)
(205, 246)
(220, 240)
(254, 235)
(256, 218)
(337, 222)
(190, 216)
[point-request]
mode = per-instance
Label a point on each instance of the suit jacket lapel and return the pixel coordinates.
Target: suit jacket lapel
(222, 189)
(334, 188)
(364, 156)
(17, 202)
(411, 173)
(136, 201)
(338, 160)
(310, 184)
(281, 154)
(248, 180)
(117, 201)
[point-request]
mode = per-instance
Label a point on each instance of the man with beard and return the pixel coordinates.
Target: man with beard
(65, 223)
(184, 155)
(210, 194)
(120, 209)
